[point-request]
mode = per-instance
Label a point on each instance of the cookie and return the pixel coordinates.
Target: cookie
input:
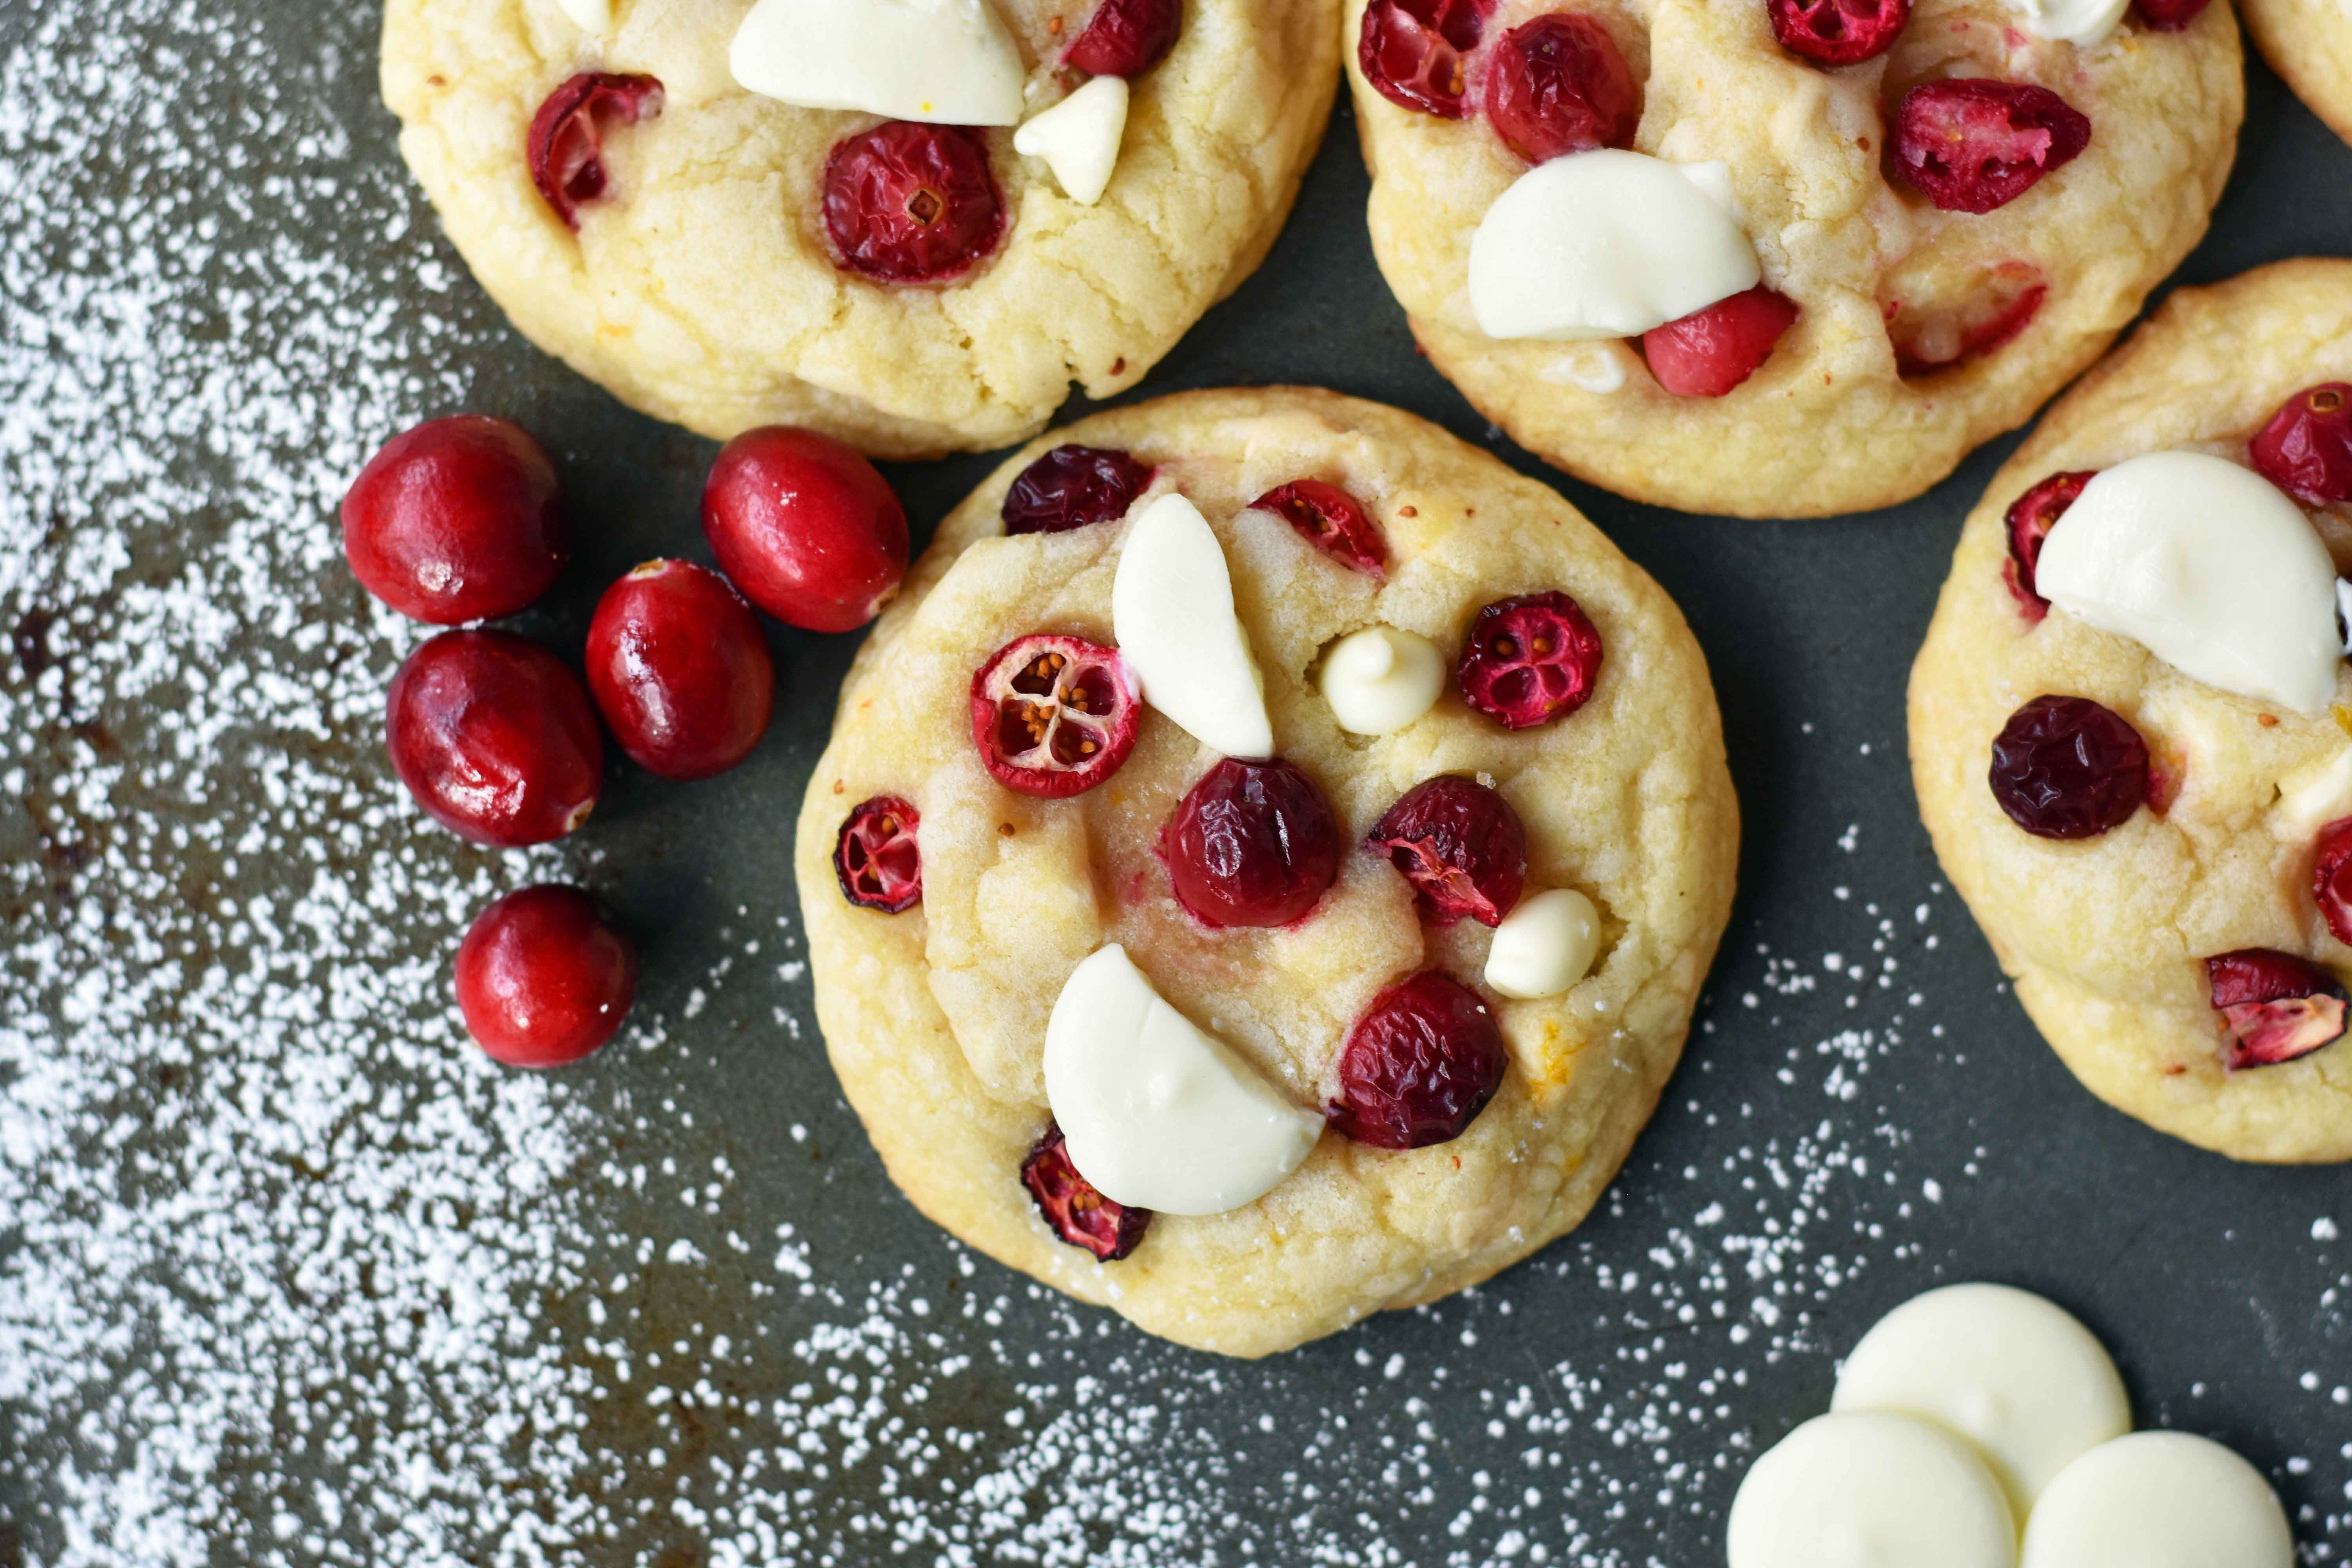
(1474, 949)
(2310, 45)
(2130, 722)
(1918, 223)
(722, 259)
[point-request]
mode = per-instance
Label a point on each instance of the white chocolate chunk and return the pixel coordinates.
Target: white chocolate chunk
(2208, 566)
(1544, 946)
(1078, 138)
(1156, 1112)
(2159, 1499)
(1870, 1491)
(593, 17)
(944, 62)
(1605, 244)
(2310, 799)
(1379, 679)
(2019, 1377)
(1171, 608)
(2081, 22)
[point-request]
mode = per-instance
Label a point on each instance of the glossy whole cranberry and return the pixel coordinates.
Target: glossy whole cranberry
(2168, 16)
(1559, 85)
(1419, 1066)
(2031, 518)
(455, 520)
(1253, 844)
(1073, 487)
(495, 738)
(1054, 716)
(1838, 31)
(2003, 304)
(1332, 520)
(565, 146)
(1414, 52)
(2305, 449)
(543, 980)
(1460, 844)
(678, 666)
(1127, 38)
(1530, 660)
(805, 528)
(912, 204)
(2275, 1007)
(1969, 144)
(1077, 1212)
(2066, 767)
(1708, 352)
(878, 858)
(2331, 878)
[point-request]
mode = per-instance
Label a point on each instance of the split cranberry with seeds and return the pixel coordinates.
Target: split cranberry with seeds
(1530, 660)
(1418, 1067)
(1332, 520)
(495, 738)
(455, 520)
(1411, 52)
(805, 528)
(1970, 145)
(566, 143)
(1709, 352)
(2066, 767)
(2331, 878)
(878, 857)
(1460, 844)
(1054, 716)
(2168, 16)
(1070, 1205)
(1253, 844)
(543, 980)
(2031, 518)
(1073, 487)
(1838, 31)
(678, 666)
(912, 204)
(1127, 38)
(1559, 85)
(2306, 447)
(2276, 1007)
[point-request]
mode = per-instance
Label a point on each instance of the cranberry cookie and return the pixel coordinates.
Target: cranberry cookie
(1782, 258)
(2309, 43)
(1264, 866)
(2130, 728)
(910, 223)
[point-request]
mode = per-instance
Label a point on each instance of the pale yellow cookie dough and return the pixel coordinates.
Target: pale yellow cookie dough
(704, 292)
(2106, 938)
(2308, 42)
(1827, 425)
(935, 1020)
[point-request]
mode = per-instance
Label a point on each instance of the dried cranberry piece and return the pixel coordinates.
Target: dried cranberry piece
(1332, 520)
(1079, 1214)
(1253, 844)
(1073, 487)
(566, 144)
(2331, 877)
(1530, 660)
(1838, 31)
(455, 520)
(681, 671)
(1559, 85)
(2306, 447)
(1054, 716)
(2066, 767)
(1411, 52)
(878, 858)
(804, 527)
(2276, 1007)
(912, 204)
(1708, 352)
(1926, 342)
(2168, 16)
(495, 738)
(543, 979)
(1418, 1067)
(1972, 145)
(2031, 518)
(1460, 844)
(1127, 38)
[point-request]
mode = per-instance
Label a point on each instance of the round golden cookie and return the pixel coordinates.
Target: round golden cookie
(935, 1018)
(703, 288)
(1835, 420)
(2106, 937)
(2309, 43)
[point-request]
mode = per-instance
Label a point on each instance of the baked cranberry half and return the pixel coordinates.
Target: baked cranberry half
(1970, 145)
(1332, 520)
(1073, 1208)
(1530, 660)
(2275, 1007)
(2031, 518)
(495, 738)
(912, 204)
(1413, 52)
(455, 520)
(1945, 338)
(1838, 31)
(2168, 16)
(1460, 844)
(1074, 486)
(2331, 878)
(1419, 1066)
(1559, 85)
(543, 978)
(679, 667)
(805, 528)
(1709, 352)
(565, 146)
(2066, 767)
(1054, 716)
(1127, 38)
(878, 858)
(2305, 449)
(1253, 844)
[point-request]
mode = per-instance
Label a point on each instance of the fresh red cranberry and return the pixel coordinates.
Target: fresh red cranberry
(2277, 1008)
(2331, 878)
(1838, 31)
(1079, 1214)
(1054, 716)
(1460, 844)
(543, 979)
(1413, 52)
(912, 204)
(805, 528)
(2064, 767)
(2031, 518)
(1708, 352)
(1926, 342)
(1559, 85)
(566, 144)
(878, 858)
(1970, 144)
(2306, 447)
(2168, 16)
(1332, 520)
(455, 520)
(1418, 1067)
(1530, 660)
(1072, 486)
(1253, 844)
(678, 665)
(1127, 38)
(495, 738)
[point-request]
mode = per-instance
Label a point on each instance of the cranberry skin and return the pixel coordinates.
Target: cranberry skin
(912, 204)
(1074, 486)
(804, 528)
(2306, 447)
(2331, 878)
(2275, 1007)
(495, 738)
(1127, 38)
(2066, 767)
(1530, 660)
(455, 520)
(1253, 844)
(1413, 52)
(565, 146)
(1418, 1067)
(1559, 85)
(1333, 521)
(1838, 31)
(878, 857)
(2031, 518)
(1988, 322)
(1972, 145)
(1708, 352)
(2168, 16)
(679, 667)
(1460, 844)
(1054, 716)
(1078, 1214)
(543, 979)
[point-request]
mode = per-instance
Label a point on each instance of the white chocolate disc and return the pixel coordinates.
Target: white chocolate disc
(2082, 22)
(2159, 1499)
(1379, 679)
(943, 62)
(1544, 946)
(1871, 1491)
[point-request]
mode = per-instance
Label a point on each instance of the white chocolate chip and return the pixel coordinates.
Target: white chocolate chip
(2159, 1499)
(2081, 22)
(2310, 799)
(943, 62)
(1078, 138)
(1871, 1491)
(1544, 946)
(593, 17)
(1379, 679)
(1172, 607)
